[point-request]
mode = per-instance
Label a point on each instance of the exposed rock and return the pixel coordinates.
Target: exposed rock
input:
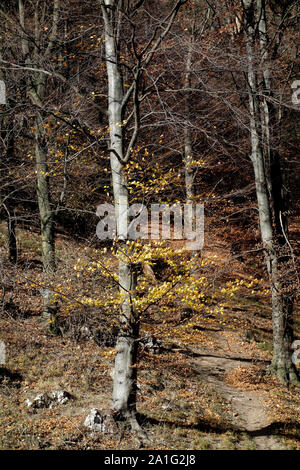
(100, 422)
(60, 397)
(94, 421)
(151, 344)
(86, 333)
(45, 400)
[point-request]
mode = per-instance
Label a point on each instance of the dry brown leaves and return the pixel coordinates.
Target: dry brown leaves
(247, 378)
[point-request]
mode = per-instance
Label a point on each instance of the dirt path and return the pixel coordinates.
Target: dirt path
(248, 410)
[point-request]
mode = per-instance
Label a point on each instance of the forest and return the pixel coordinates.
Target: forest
(149, 225)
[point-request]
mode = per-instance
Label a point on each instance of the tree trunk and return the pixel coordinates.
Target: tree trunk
(43, 195)
(125, 371)
(36, 86)
(12, 239)
(7, 161)
(188, 148)
(268, 183)
(36, 90)
(282, 301)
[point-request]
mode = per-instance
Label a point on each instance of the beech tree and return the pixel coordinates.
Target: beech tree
(7, 133)
(34, 48)
(121, 75)
(121, 141)
(7, 136)
(196, 22)
(270, 190)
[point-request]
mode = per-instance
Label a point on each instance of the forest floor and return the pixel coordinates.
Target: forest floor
(207, 389)
(248, 408)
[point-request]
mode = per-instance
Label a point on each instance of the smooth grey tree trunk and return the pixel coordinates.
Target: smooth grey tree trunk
(267, 184)
(125, 371)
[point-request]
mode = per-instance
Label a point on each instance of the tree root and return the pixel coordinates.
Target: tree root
(286, 374)
(130, 417)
